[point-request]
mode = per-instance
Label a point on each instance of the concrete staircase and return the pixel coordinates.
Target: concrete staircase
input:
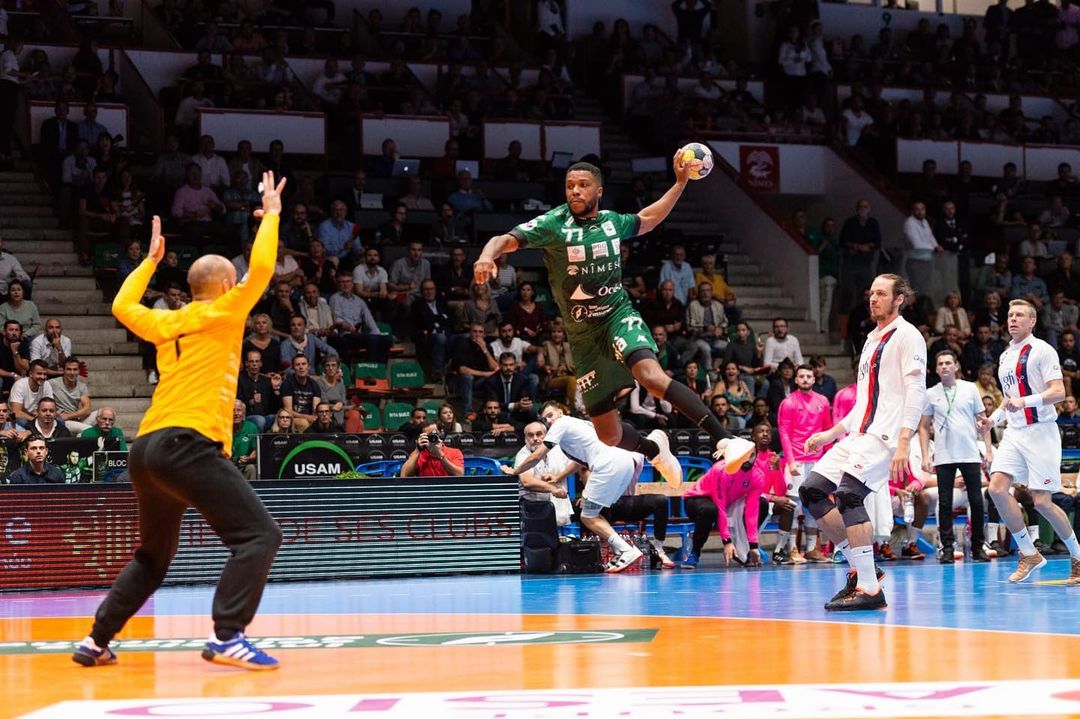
(67, 291)
(760, 295)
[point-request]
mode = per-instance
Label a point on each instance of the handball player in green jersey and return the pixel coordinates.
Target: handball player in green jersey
(610, 342)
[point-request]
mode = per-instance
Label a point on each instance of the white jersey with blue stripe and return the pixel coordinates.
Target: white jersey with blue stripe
(1025, 368)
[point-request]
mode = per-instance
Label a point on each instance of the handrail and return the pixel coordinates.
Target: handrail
(765, 207)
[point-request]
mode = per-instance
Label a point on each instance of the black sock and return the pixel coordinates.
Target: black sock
(689, 405)
(224, 635)
(632, 441)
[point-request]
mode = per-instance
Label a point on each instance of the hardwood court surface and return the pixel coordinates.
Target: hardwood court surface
(956, 641)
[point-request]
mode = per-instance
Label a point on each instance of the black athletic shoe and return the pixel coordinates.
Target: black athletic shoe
(849, 587)
(782, 557)
(858, 601)
(945, 555)
(1058, 547)
(979, 556)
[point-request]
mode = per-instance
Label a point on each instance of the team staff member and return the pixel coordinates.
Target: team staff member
(180, 457)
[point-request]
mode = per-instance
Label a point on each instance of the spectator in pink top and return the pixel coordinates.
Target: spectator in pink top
(195, 207)
(710, 500)
(844, 400)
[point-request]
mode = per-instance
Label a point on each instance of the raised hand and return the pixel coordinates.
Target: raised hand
(483, 270)
(157, 242)
(271, 195)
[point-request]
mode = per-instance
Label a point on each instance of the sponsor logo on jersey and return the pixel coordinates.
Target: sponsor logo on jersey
(575, 253)
(572, 270)
(587, 381)
(594, 269)
(615, 245)
(580, 294)
(609, 228)
(581, 313)
(530, 225)
(599, 249)
(620, 346)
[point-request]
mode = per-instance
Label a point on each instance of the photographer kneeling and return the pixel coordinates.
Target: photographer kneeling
(432, 458)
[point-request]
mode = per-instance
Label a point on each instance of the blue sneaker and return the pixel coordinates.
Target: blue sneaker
(89, 655)
(691, 560)
(238, 652)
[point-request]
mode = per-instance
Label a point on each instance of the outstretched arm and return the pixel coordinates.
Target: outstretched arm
(657, 212)
(484, 267)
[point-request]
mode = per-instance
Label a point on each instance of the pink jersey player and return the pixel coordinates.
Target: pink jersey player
(844, 401)
(801, 415)
(724, 489)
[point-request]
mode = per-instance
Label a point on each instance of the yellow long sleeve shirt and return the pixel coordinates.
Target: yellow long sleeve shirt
(198, 346)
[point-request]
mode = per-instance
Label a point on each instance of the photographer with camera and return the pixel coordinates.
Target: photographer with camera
(432, 458)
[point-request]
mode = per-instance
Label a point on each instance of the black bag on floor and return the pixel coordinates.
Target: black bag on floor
(539, 536)
(579, 556)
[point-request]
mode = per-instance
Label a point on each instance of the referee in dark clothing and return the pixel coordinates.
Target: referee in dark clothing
(180, 457)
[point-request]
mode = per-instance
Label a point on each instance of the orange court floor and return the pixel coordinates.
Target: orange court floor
(955, 641)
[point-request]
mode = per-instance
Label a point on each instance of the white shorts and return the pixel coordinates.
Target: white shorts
(794, 481)
(609, 483)
(864, 456)
(1031, 455)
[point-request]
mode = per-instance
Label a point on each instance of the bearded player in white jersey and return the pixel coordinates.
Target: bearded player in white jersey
(1030, 451)
(890, 395)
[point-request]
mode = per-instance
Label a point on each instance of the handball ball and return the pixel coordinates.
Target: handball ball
(700, 158)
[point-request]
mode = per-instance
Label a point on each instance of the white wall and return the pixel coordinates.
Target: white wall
(113, 117)
(843, 21)
(577, 139)
(161, 68)
(394, 12)
(415, 137)
(581, 14)
(498, 136)
(302, 133)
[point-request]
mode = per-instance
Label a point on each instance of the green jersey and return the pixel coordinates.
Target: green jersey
(582, 259)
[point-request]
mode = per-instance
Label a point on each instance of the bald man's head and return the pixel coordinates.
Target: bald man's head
(210, 277)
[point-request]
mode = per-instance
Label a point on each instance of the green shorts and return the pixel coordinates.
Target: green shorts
(601, 350)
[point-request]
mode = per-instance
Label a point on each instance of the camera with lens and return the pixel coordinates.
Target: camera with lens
(434, 438)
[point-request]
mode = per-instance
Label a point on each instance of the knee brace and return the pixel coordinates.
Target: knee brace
(814, 494)
(849, 500)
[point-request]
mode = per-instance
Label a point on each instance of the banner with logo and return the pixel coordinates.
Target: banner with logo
(759, 167)
(83, 534)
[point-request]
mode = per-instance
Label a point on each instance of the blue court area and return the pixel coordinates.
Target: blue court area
(920, 594)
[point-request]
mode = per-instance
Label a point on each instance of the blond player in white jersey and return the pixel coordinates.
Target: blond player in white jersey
(1030, 451)
(890, 394)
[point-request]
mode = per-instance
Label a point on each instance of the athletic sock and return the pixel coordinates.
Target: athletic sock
(632, 441)
(94, 644)
(811, 542)
(618, 544)
(1073, 545)
(782, 538)
(913, 533)
(845, 548)
(862, 558)
(991, 532)
(1024, 541)
(793, 542)
(689, 405)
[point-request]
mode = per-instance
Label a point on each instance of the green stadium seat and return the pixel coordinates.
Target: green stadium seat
(406, 375)
(396, 414)
(369, 370)
(432, 407)
(373, 420)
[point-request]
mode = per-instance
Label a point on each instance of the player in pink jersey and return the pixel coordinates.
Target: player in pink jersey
(1030, 452)
(844, 401)
(713, 497)
(802, 414)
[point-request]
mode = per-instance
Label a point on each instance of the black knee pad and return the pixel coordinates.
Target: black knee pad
(814, 494)
(849, 500)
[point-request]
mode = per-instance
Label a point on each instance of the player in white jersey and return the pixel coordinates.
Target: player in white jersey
(890, 394)
(611, 471)
(1030, 451)
(952, 410)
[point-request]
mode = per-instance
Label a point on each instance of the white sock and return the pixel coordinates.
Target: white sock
(619, 544)
(1073, 545)
(845, 548)
(992, 532)
(793, 542)
(1024, 541)
(782, 539)
(913, 533)
(811, 542)
(862, 558)
(91, 644)
(1033, 530)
